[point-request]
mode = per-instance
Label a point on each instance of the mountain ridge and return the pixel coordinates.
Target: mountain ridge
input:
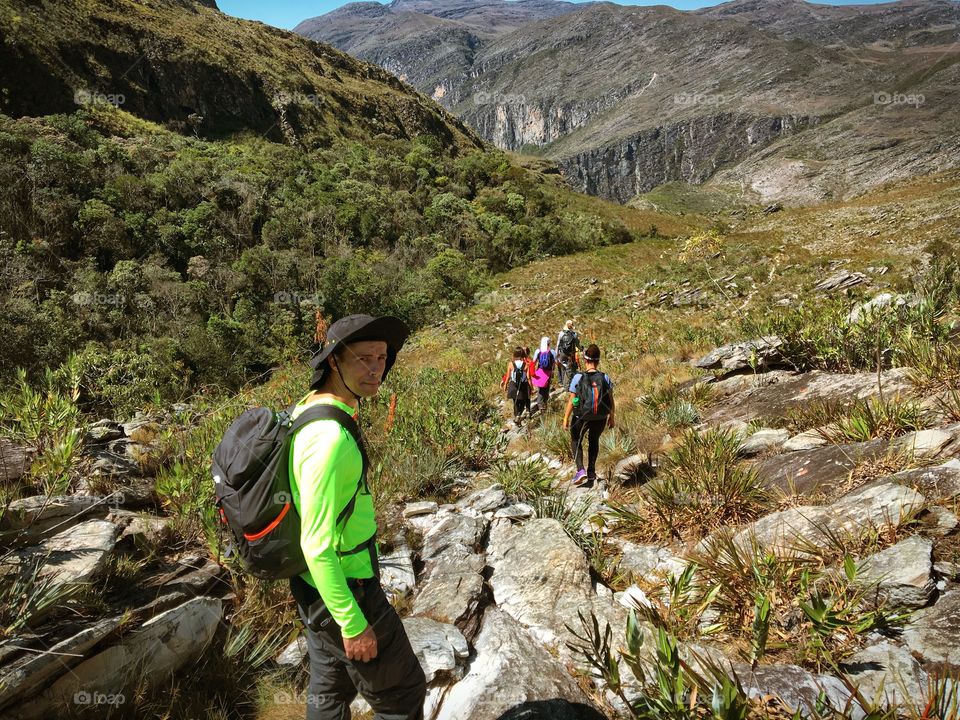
(655, 73)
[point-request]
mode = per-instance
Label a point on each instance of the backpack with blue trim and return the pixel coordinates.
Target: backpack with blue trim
(594, 395)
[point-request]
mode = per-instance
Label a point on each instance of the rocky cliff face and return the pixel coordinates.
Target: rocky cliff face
(690, 151)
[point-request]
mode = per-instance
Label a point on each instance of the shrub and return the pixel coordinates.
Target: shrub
(524, 480)
(704, 485)
(877, 418)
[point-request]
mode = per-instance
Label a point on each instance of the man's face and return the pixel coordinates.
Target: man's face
(362, 365)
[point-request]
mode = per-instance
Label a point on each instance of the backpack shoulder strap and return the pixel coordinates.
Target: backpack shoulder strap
(324, 411)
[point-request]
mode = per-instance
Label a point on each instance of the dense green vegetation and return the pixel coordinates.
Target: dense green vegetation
(169, 263)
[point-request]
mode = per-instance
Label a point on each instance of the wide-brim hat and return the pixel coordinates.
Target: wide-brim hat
(357, 328)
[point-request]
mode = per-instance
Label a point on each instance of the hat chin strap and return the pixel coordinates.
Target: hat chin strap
(344, 382)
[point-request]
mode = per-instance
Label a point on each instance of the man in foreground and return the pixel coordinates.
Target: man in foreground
(355, 638)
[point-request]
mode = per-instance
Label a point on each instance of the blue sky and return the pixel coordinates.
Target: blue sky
(287, 13)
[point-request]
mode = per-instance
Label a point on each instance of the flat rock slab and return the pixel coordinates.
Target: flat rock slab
(75, 555)
(454, 529)
(772, 395)
(42, 514)
(807, 440)
(797, 687)
(821, 469)
(34, 671)
(419, 508)
(926, 444)
(513, 676)
(162, 645)
(486, 500)
(938, 484)
(648, 562)
(934, 633)
(452, 588)
(763, 440)
(877, 505)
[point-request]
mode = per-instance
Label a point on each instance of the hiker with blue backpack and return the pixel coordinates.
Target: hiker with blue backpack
(292, 487)
(589, 411)
(516, 381)
(544, 363)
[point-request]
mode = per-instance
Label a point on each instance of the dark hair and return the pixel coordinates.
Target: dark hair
(526, 352)
(517, 353)
(592, 353)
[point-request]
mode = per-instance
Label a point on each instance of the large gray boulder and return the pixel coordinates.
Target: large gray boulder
(886, 673)
(452, 588)
(452, 584)
(901, 575)
(463, 529)
(541, 578)
(514, 676)
(933, 635)
(742, 355)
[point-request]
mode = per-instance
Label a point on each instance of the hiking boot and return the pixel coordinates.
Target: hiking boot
(580, 478)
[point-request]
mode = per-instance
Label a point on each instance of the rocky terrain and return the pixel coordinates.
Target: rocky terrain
(494, 585)
(827, 101)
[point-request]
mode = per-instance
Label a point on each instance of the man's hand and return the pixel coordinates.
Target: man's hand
(610, 423)
(363, 647)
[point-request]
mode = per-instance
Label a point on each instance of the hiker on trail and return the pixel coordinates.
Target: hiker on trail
(355, 639)
(591, 408)
(568, 343)
(516, 380)
(544, 363)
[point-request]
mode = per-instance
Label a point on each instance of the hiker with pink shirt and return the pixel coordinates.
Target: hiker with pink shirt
(544, 363)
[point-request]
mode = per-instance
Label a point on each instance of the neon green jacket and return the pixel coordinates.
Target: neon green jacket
(325, 468)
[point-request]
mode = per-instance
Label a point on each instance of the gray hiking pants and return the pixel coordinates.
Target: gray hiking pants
(393, 682)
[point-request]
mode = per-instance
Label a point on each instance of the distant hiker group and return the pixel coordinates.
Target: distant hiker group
(590, 407)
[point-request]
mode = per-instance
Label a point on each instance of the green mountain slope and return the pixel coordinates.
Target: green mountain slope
(196, 69)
